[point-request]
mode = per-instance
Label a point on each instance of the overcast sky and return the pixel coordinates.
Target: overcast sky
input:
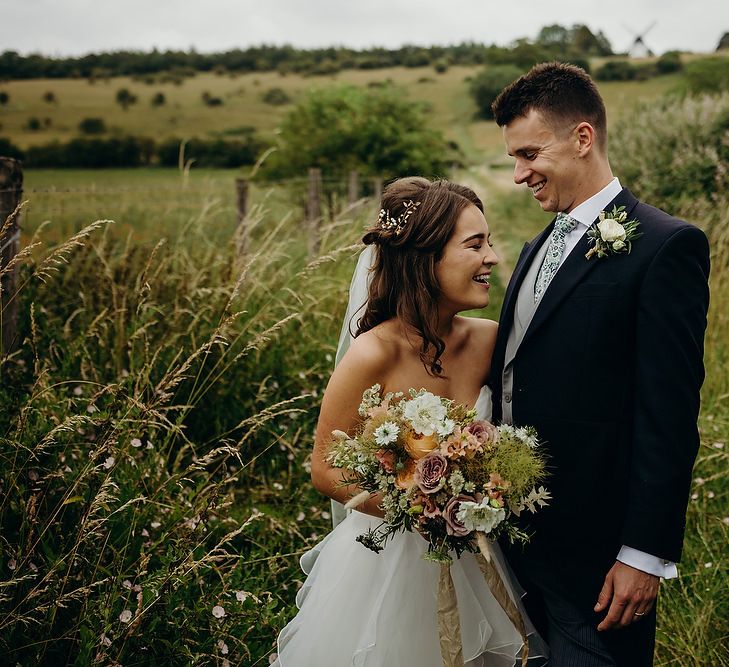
(73, 27)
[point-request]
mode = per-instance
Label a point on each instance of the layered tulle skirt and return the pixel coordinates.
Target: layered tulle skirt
(361, 609)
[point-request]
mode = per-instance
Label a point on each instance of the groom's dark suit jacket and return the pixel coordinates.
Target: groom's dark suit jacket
(609, 373)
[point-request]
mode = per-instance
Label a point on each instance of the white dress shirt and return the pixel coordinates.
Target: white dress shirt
(586, 214)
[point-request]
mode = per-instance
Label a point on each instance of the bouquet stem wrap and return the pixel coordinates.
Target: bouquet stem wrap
(449, 624)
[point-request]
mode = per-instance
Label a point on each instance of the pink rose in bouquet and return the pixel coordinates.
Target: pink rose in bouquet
(430, 472)
(454, 526)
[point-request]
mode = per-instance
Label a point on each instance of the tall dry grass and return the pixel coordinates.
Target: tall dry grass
(155, 427)
(676, 156)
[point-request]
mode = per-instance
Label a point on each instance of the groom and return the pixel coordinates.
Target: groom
(603, 356)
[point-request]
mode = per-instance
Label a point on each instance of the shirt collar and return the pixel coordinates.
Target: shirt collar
(586, 213)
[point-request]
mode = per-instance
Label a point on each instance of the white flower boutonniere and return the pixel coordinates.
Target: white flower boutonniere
(612, 235)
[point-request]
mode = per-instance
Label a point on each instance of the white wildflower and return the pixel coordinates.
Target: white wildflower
(278, 486)
(12, 564)
(127, 584)
(109, 462)
(91, 409)
(105, 640)
(218, 611)
(301, 516)
(223, 647)
(445, 428)
(386, 433)
(155, 524)
(78, 391)
(136, 442)
(480, 516)
(424, 412)
(125, 616)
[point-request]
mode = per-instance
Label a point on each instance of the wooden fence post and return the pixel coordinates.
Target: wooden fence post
(352, 188)
(313, 210)
(377, 190)
(241, 198)
(11, 190)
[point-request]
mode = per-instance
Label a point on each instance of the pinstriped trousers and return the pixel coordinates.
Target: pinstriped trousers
(573, 638)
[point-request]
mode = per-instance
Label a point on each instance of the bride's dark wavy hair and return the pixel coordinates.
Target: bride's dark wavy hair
(403, 281)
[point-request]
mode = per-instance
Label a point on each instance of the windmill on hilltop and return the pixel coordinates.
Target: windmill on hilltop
(638, 48)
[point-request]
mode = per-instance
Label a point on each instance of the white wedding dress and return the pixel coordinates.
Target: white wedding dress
(362, 609)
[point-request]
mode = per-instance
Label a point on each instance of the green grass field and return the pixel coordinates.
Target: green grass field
(186, 115)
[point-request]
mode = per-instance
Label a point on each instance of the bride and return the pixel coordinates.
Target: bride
(432, 260)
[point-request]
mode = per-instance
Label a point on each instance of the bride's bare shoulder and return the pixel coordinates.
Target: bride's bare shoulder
(480, 331)
(373, 352)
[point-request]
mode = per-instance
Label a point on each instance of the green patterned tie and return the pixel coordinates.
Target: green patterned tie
(563, 225)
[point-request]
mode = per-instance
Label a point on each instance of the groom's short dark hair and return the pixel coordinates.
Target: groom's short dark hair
(564, 94)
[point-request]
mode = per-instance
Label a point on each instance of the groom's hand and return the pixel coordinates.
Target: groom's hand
(629, 594)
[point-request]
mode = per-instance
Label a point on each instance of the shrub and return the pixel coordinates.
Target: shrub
(379, 132)
(210, 100)
(33, 124)
(4, 98)
(9, 149)
(488, 83)
(221, 153)
(441, 66)
(707, 75)
(669, 63)
(276, 97)
(92, 126)
(676, 152)
(125, 99)
(616, 70)
(158, 100)
(93, 153)
(49, 97)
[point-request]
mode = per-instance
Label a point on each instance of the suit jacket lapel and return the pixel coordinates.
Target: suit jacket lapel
(506, 318)
(573, 271)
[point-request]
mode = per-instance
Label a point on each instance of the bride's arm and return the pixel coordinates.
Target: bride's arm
(363, 365)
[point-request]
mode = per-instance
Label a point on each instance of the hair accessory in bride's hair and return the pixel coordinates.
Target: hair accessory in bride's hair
(397, 224)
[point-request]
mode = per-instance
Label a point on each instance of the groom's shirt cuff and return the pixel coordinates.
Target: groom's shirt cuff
(647, 563)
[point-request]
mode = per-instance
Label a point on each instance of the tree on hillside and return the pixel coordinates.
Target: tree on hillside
(159, 100)
(488, 83)
(92, 126)
(49, 97)
(4, 98)
(584, 42)
(554, 35)
(378, 132)
(125, 99)
(723, 42)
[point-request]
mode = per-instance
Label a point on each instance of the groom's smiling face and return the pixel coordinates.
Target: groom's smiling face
(547, 161)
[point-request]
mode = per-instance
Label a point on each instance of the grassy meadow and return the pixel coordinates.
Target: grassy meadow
(185, 114)
(159, 414)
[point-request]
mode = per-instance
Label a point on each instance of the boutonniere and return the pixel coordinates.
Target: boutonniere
(612, 235)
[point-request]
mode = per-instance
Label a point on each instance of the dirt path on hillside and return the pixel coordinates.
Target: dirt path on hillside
(492, 182)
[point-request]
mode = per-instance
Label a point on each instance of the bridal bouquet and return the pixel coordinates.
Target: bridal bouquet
(440, 471)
